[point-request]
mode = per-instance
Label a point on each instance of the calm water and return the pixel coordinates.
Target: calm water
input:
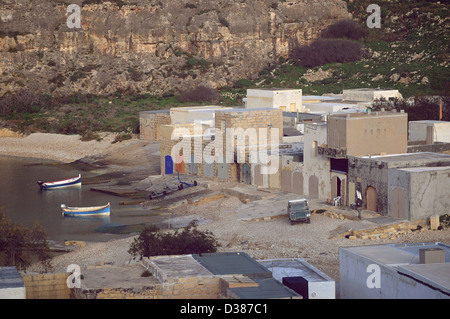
(24, 203)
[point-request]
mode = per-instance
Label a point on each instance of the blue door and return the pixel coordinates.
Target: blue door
(247, 174)
(168, 165)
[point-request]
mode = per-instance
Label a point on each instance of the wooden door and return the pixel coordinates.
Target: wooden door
(313, 187)
(398, 203)
(371, 198)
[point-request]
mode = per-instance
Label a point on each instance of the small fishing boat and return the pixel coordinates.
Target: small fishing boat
(75, 181)
(86, 211)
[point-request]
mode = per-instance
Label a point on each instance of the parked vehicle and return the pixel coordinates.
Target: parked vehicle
(298, 211)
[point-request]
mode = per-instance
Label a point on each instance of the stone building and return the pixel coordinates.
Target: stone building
(150, 123)
(316, 168)
(230, 150)
(344, 135)
(410, 186)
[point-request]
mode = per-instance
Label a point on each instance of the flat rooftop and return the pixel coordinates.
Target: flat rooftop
(232, 109)
(369, 90)
(232, 264)
(405, 259)
(367, 114)
(294, 267)
(421, 156)
(274, 89)
(169, 268)
(156, 112)
(425, 169)
(435, 275)
(10, 278)
(395, 255)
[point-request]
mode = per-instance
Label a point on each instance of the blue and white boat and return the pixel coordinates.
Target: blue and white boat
(71, 182)
(86, 211)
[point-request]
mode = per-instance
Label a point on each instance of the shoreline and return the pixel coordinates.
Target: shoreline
(57, 147)
(94, 158)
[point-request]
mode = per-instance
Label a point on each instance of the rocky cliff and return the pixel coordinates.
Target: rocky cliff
(138, 46)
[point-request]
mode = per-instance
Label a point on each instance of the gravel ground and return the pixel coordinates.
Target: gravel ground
(275, 238)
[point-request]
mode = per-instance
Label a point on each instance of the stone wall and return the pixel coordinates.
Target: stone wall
(150, 123)
(195, 287)
(47, 286)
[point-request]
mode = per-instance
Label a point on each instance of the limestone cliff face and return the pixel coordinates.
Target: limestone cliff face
(138, 46)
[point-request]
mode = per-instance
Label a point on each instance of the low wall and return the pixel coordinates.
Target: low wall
(194, 287)
(47, 286)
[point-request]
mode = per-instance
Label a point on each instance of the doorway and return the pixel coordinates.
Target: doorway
(398, 203)
(313, 187)
(371, 198)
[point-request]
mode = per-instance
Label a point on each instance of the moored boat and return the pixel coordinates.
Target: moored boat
(75, 181)
(86, 211)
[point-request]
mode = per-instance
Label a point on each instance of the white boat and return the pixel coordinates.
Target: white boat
(75, 181)
(86, 211)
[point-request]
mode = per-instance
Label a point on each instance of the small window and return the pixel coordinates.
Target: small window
(224, 125)
(314, 149)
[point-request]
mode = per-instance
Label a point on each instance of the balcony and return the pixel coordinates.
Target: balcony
(332, 152)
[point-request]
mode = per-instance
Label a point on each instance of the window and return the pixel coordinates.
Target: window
(223, 126)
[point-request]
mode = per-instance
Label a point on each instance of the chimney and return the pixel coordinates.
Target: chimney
(431, 256)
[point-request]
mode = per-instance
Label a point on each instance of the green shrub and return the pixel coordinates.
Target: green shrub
(200, 93)
(325, 51)
(188, 240)
(19, 245)
(122, 137)
(345, 29)
(195, 62)
(23, 101)
(243, 83)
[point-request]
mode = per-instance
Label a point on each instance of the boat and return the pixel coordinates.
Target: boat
(75, 181)
(86, 211)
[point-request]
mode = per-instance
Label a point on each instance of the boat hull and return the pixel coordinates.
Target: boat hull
(72, 182)
(99, 211)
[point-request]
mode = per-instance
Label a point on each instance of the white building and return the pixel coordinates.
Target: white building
(11, 284)
(289, 100)
(332, 107)
(395, 271)
(317, 285)
(316, 169)
(429, 131)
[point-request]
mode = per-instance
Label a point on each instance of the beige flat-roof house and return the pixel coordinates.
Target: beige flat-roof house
(364, 134)
(356, 134)
(288, 100)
